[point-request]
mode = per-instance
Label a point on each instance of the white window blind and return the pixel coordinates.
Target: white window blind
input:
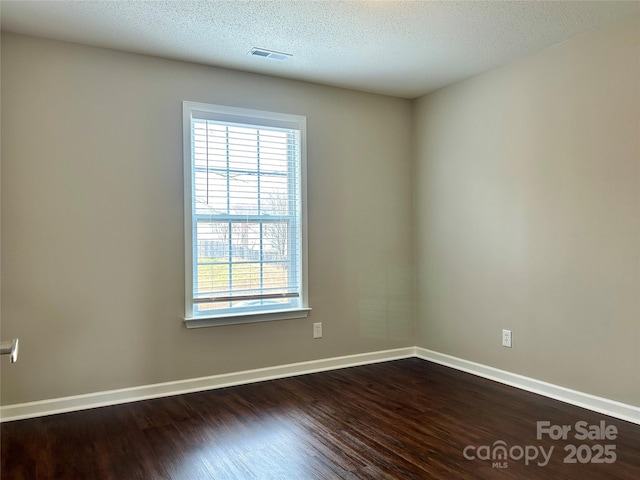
(244, 201)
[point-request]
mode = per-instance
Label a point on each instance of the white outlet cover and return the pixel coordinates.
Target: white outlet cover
(317, 330)
(506, 338)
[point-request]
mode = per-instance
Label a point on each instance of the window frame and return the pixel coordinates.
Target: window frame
(257, 118)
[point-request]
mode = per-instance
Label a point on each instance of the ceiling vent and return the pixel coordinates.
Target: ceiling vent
(261, 52)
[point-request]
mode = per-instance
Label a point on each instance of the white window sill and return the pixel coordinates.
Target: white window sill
(234, 319)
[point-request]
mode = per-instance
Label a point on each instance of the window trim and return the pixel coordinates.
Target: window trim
(254, 117)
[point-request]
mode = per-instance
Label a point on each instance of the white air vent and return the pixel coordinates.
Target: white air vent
(261, 52)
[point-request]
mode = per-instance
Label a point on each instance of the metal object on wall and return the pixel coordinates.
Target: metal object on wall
(10, 348)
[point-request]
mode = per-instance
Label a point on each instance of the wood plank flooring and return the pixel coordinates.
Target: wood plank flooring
(406, 419)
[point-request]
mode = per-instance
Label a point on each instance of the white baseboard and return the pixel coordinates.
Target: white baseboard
(573, 397)
(114, 397)
(41, 408)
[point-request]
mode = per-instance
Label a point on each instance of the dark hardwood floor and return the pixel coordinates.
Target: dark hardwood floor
(407, 419)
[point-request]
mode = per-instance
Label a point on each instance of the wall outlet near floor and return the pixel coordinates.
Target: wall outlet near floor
(506, 338)
(317, 330)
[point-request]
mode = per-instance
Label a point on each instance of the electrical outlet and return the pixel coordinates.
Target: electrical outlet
(317, 330)
(506, 338)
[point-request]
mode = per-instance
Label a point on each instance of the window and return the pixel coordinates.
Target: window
(245, 218)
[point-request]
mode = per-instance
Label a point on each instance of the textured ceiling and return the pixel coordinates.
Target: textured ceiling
(400, 48)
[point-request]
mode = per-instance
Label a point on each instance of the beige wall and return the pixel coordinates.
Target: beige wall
(526, 214)
(527, 198)
(92, 236)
